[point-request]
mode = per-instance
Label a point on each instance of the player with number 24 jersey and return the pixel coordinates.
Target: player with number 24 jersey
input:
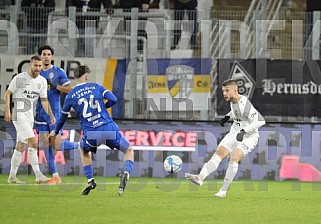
(88, 102)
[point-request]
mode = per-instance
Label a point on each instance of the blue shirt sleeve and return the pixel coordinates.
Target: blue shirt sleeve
(63, 77)
(109, 96)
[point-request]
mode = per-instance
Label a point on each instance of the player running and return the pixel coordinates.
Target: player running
(87, 99)
(240, 141)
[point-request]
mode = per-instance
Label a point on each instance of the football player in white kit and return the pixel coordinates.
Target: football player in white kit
(241, 139)
(25, 89)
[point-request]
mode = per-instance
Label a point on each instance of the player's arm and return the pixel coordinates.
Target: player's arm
(61, 122)
(7, 100)
(112, 99)
(65, 88)
(62, 88)
(46, 106)
(64, 115)
(256, 120)
(225, 119)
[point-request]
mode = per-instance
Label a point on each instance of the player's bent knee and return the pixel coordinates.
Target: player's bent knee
(124, 145)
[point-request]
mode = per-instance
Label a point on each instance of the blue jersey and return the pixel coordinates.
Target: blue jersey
(57, 76)
(87, 99)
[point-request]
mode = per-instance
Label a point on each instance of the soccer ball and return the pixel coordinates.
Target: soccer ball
(173, 164)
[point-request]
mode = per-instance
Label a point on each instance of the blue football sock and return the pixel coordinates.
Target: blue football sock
(50, 156)
(88, 171)
(68, 145)
(128, 166)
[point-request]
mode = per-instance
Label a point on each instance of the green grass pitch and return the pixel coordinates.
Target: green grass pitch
(159, 200)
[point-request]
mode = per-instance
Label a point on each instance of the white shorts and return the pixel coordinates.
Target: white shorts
(24, 130)
(248, 143)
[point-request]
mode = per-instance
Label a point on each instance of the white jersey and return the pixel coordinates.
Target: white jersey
(25, 93)
(245, 116)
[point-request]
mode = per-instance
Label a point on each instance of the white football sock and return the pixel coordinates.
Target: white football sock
(33, 159)
(15, 162)
(55, 174)
(230, 174)
(210, 166)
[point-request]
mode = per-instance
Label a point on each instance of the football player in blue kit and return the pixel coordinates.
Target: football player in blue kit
(58, 83)
(87, 99)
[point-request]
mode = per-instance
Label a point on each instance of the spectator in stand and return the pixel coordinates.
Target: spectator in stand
(85, 46)
(143, 6)
(37, 12)
(180, 7)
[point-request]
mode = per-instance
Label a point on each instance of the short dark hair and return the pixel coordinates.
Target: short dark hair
(35, 58)
(45, 47)
(229, 82)
(81, 70)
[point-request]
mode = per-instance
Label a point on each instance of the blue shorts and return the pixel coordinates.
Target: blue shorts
(44, 128)
(108, 135)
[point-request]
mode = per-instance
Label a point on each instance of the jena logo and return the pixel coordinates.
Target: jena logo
(180, 81)
(51, 75)
(245, 82)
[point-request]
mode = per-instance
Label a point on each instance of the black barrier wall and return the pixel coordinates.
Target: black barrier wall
(276, 87)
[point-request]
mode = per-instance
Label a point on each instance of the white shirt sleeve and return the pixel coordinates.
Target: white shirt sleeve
(13, 84)
(255, 119)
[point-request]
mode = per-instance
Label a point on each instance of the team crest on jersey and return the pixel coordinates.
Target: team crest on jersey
(180, 81)
(51, 75)
(39, 86)
(245, 82)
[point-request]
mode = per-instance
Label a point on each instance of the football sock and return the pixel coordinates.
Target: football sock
(68, 145)
(229, 176)
(55, 174)
(88, 171)
(128, 166)
(15, 162)
(33, 159)
(50, 156)
(210, 166)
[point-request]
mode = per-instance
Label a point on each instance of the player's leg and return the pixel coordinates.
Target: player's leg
(241, 150)
(15, 163)
(231, 171)
(50, 155)
(43, 143)
(46, 145)
(209, 167)
(222, 151)
(86, 159)
(66, 145)
(128, 151)
(33, 158)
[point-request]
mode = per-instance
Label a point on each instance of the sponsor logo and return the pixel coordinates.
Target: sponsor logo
(271, 87)
(180, 81)
(245, 82)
